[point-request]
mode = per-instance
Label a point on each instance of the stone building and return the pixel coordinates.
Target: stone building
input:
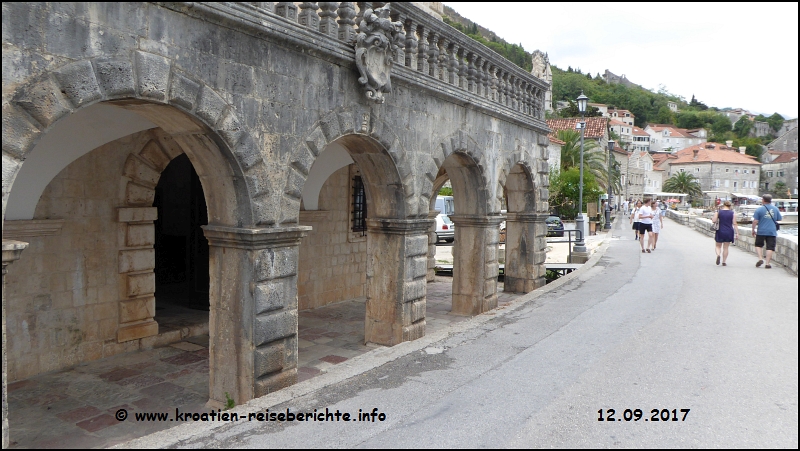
(666, 137)
(787, 142)
(722, 171)
(783, 169)
(252, 159)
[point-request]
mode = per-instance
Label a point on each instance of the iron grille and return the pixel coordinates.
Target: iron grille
(359, 206)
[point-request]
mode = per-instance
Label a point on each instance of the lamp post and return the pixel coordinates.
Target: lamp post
(608, 202)
(580, 245)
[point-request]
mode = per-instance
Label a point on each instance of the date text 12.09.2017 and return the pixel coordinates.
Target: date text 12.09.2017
(637, 414)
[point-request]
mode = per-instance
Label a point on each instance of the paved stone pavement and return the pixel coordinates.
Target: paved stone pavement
(76, 408)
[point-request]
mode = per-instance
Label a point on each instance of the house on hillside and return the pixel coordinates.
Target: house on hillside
(666, 136)
(596, 128)
(723, 172)
(786, 142)
(782, 168)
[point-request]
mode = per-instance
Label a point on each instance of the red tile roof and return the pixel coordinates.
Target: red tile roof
(785, 157)
(595, 126)
(554, 139)
(713, 152)
(639, 132)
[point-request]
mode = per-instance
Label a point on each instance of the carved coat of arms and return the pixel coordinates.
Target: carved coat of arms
(376, 49)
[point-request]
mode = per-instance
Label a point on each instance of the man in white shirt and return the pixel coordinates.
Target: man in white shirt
(646, 225)
(625, 207)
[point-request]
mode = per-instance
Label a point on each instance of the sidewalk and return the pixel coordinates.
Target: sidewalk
(78, 406)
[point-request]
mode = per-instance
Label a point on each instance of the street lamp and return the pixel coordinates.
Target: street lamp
(608, 202)
(580, 245)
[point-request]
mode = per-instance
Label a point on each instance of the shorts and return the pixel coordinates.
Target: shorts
(636, 226)
(769, 239)
(645, 227)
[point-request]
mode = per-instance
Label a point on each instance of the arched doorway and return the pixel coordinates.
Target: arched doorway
(181, 250)
(525, 248)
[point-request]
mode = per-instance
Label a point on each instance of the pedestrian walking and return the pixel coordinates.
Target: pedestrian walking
(635, 220)
(727, 233)
(765, 229)
(658, 223)
(625, 206)
(646, 226)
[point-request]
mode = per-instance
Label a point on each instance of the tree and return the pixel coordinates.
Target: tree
(594, 159)
(721, 125)
(779, 190)
(775, 122)
(572, 111)
(752, 146)
(565, 190)
(665, 116)
(742, 127)
(684, 183)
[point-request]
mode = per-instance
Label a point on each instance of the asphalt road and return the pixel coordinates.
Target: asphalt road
(667, 330)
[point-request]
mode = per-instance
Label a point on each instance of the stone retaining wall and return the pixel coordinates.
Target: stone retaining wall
(785, 249)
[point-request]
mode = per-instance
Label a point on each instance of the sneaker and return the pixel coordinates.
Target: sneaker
(724, 264)
(767, 266)
(718, 259)
(759, 263)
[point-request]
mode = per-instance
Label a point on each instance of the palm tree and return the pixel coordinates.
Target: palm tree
(684, 182)
(594, 159)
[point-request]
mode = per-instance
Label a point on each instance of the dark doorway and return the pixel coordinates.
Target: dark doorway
(181, 248)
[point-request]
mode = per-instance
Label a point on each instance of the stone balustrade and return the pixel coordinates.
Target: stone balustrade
(434, 55)
(785, 248)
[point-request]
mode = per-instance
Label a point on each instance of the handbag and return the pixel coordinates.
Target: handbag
(769, 212)
(715, 226)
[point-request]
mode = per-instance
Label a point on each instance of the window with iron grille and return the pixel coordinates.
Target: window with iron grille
(359, 205)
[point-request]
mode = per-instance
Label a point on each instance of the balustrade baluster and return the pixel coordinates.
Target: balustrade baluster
(347, 12)
(453, 73)
(433, 55)
(308, 15)
(479, 62)
(493, 83)
(422, 58)
(362, 6)
(444, 60)
(501, 88)
(400, 41)
(327, 21)
(411, 44)
(471, 71)
(463, 82)
(487, 91)
(287, 10)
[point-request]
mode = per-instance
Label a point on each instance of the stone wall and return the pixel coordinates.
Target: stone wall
(66, 290)
(333, 260)
(785, 248)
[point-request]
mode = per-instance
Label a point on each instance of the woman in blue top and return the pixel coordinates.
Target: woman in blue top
(727, 233)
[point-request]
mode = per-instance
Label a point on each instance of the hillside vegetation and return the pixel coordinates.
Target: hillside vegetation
(647, 106)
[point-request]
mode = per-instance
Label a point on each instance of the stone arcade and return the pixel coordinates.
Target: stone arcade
(142, 139)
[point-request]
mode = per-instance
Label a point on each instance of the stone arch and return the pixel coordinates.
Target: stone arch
(361, 129)
(470, 156)
(154, 87)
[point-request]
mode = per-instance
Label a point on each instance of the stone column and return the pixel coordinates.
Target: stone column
(11, 252)
(526, 251)
(431, 275)
(397, 250)
(475, 266)
(253, 317)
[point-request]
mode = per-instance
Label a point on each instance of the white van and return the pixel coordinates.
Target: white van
(445, 205)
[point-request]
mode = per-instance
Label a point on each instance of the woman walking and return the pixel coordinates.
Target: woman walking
(635, 219)
(727, 232)
(658, 222)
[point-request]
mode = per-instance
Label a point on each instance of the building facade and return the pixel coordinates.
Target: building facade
(262, 159)
(723, 172)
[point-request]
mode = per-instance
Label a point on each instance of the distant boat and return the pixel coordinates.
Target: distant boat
(788, 209)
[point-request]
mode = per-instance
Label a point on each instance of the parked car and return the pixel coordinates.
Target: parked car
(554, 226)
(445, 230)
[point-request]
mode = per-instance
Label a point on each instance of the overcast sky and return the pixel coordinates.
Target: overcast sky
(726, 54)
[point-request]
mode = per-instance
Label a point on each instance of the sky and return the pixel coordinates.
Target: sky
(738, 55)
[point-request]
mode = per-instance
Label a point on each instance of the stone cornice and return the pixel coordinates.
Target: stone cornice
(14, 230)
(400, 226)
(254, 238)
(477, 220)
(527, 217)
(12, 250)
